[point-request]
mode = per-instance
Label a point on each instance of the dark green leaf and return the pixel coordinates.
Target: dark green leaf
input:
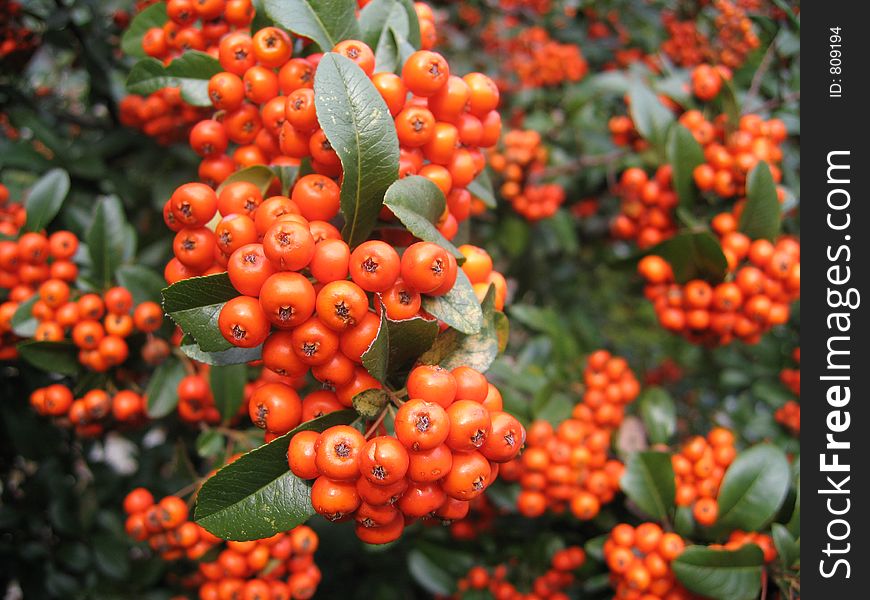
(429, 574)
(376, 358)
(418, 203)
(153, 16)
(234, 355)
(23, 322)
(189, 72)
(730, 106)
(358, 125)
(787, 547)
(227, 386)
(481, 188)
(326, 22)
(210, 443)
(45, 199)
(649, 482)
(753, 488)
(260, 175)
(257, 496)
(684, 154)
(651, 118)
(453, 348)
(106, 240)
(794, 523)
(110, 554)
(397, 344)
(143, 283)
(161, 395)
(721, 574)
(383, 23)
(659, 414)
(459, 307)
(51, 357)
(761, 217)
(693, 256)
(195, 305)
(287, 175)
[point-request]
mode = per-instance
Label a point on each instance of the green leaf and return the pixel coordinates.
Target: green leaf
(260, 175)
(761, 216)
(23, 322)
(51, 357)
(787, 547)
(153, 16)
(418, 203)
(651, 118)
(45, 198)
(481, 188)
(753, 488)
(189, 72)
(721, 574)
(210, 443)
(227, 387)
(106, 239)
(459, 307)
(430, 574)
(144, 283)
(649, 482)
(382, 24)
(195, 305)
(257, 496)
(730, 105)
(398, 344)
(111, 556)
(326, 22)
(684, 154)
(231, 356)
(358, 125)
(693, 256)
(453, 349)
(794, 523)
(161, 395)
(287, 175)
(659, 414)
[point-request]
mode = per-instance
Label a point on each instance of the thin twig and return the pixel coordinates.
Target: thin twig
(593, 160)
(377, 423)
(761, 71)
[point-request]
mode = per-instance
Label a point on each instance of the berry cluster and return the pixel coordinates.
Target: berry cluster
(624, 133)
(646, 212)
(450, 437)
(91, 413)
(734, 40)
(98, 326)
(550, 585)
(535, 60)
(266, 100)
(35, 257)
(280, 567)
(729, 157)
(520, 160)
(568, 467)
(163, 115)
(791, 377)
(763, 279)
(639, 559)
(789, 414)
(195, 399)
(699, 468)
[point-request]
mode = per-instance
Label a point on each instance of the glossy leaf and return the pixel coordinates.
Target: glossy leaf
(45, 198)
(358, 125)
(257, 496)
(684, 154)
(481, 188)
(161, 395)
(106, 239)
(761, 216)
(231, 356)
(189, 72)
(23, 322)
(418, 203)
(326, 22)
(721, 574)
(153, 16)
(693, 256)
(227, 384)
(659, 414)
(651, 118)
(195, 304)
(144, 283)
(397, 344)
(649, 482)
(260, 175)
(51, 357)
(459, 307)
(753, 488)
